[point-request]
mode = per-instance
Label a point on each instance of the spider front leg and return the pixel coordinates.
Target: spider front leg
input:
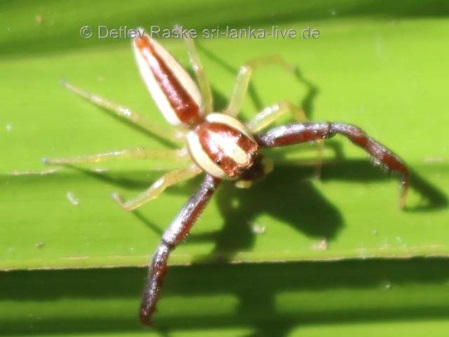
(306, 132)
(175, 233)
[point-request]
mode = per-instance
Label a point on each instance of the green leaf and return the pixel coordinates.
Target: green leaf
(381, 66)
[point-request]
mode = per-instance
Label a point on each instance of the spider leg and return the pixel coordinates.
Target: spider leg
(270, 114)
(306, 132)
(175, 233)
(198, 69)
(243, 78)
(125, 113)
(138, 152)
(168, 179)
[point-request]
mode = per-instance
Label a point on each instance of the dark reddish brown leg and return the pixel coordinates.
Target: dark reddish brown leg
(175, 233)
(306, 132)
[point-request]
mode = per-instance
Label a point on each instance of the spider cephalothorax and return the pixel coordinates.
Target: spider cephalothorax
(225, 148)
(215, 144)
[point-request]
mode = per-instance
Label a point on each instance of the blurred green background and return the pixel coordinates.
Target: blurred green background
(294, 255)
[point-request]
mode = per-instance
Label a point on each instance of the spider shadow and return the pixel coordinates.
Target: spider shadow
(360, 170)
(288, 194)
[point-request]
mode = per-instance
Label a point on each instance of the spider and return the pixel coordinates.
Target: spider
(216, 144)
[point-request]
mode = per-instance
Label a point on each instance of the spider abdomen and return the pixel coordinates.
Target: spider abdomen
(173, 90)
(223, 147)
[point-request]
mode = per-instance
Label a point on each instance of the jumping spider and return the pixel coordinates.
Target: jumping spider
(217, 144)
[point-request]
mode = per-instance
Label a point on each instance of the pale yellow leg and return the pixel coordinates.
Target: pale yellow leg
(270, 114)
(158, 187)
(243, 78)
(199, 71)
(125, 113)
(138, 152)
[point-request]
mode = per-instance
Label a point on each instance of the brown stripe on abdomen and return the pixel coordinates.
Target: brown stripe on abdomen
(182, 103)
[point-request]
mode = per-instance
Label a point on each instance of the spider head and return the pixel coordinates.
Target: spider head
(261, 167)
